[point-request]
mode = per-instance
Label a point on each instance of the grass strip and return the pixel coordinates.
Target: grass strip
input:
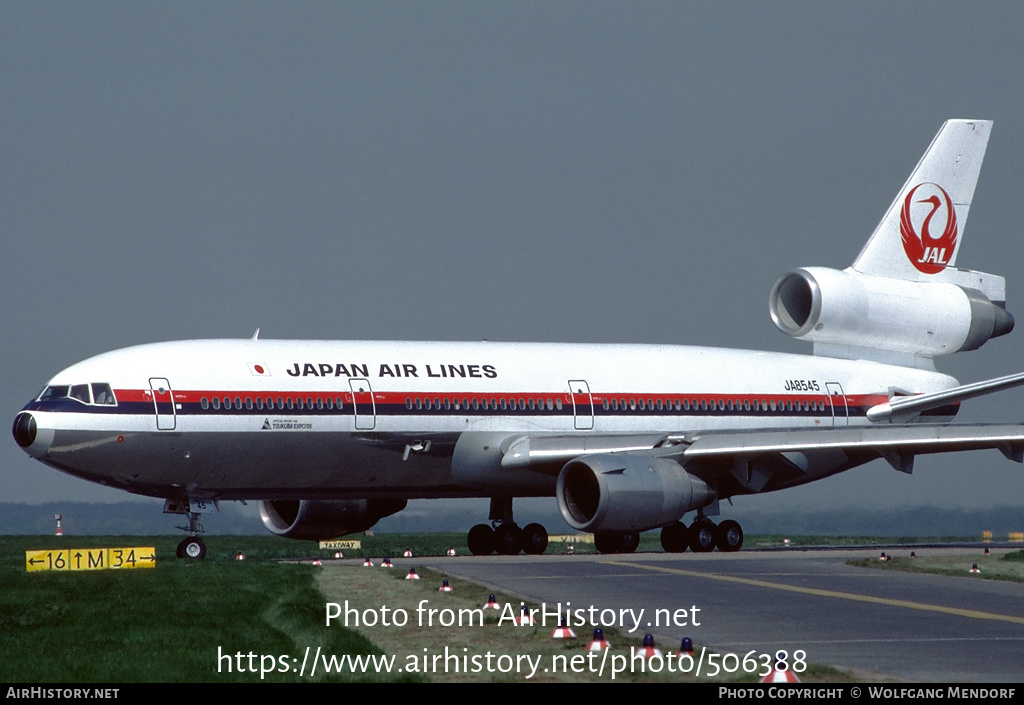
(995, 566)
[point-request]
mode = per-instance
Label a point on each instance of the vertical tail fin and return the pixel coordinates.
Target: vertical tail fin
(920, 234)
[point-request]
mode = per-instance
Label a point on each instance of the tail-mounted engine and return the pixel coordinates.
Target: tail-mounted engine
(849, 314)
(321, 519)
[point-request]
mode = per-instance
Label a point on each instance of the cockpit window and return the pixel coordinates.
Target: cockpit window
(102, 394)
(59, 391)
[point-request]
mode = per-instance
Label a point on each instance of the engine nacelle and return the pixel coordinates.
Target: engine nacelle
(321, 519)
(852, 310)
(627, 492)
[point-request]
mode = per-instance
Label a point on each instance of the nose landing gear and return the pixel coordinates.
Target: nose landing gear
(192, 547)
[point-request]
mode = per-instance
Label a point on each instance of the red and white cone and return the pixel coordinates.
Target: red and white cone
(60, 531)
(598, 643)
(492, 603)
(648, 650)
(974, 568)
(339, 554)
(563, 632)
(525, 619)
(445, 587)
(316, 561)
(780, 674)
(386, 563)
(451, 551)
(412, 575)
(685, 647)
(367, 563)
(408, 553)
(240, 556)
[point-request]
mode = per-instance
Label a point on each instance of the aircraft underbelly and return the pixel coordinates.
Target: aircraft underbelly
(274, 464)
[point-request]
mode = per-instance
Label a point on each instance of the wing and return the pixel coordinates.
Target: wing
(635, 483)
(896, 443)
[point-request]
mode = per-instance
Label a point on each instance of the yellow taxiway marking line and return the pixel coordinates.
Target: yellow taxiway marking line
(972, 614)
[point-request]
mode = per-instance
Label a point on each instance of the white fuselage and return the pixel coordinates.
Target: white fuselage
(267, 418)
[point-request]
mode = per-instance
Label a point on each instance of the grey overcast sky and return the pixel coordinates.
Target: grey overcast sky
(554, 171)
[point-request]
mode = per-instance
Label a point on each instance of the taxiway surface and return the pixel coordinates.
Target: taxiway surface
(917, 627)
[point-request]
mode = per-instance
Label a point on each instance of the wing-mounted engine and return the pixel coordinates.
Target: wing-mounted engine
(853, 315)
(321, 519)
(627, 492)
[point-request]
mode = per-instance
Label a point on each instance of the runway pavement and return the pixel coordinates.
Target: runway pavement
(916, 627)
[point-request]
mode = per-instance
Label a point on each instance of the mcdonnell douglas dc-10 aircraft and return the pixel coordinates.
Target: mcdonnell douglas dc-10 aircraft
(330, 437)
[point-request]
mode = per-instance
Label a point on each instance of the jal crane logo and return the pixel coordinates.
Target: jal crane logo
(924, 209)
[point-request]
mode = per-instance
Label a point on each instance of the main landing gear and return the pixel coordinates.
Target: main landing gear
(616, 541)
(702, 536)
(506, 538)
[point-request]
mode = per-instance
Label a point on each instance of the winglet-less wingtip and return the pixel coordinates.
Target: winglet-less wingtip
(902, 407)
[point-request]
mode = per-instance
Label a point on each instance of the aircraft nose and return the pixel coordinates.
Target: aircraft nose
(27, 434)
(24, 429)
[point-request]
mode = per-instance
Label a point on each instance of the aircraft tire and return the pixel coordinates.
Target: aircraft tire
(675, 538)
(606, 542)
(616, 541)
(481, 540)
(702, 536)
(729, 536)
(535, 539)
(508, 539)
(629, 541)
(192, 548)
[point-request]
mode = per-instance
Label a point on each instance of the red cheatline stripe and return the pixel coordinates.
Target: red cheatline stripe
(194, 396)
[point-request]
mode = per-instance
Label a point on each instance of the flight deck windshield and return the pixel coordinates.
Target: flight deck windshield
(97, 393)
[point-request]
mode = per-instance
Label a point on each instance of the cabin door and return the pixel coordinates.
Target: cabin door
(163, 403)
(582, 404)
(362, 404)
(837, 402)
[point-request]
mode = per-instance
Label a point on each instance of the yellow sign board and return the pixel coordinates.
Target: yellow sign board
(69, 559)
(345, 545)
(571, 538)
